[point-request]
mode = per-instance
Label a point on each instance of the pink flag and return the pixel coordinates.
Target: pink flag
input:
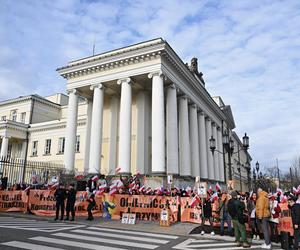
(95, 178)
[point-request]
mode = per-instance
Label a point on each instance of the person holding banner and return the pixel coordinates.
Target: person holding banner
(71, 198)
(60, 196)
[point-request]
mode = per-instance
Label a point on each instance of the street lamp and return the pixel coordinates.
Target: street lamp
(254, 178)
(228, 144)
(239, 170)
(257, 167)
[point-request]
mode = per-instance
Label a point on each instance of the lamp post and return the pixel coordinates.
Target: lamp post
(240, 175)
(254, 179)
(228, 144)
(257, 166)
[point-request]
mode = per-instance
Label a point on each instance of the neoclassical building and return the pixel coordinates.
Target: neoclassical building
(139, 108)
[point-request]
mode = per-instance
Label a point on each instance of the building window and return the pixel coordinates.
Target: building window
(14, 115)
(47, 146)
(61, 145)
(77, 144)
(34, 148)
(3, 118)
(9, 149)
(23, 117)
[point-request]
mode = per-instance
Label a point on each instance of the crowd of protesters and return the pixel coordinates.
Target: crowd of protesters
(260, 210)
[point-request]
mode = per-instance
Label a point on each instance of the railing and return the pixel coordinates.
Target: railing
(14, 171)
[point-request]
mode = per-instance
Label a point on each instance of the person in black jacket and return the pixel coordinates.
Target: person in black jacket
(60, 196)
(207, 214)
(71, 198)
(92, 204)
(295, 212)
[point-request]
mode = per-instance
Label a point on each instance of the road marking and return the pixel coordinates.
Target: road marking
(26, 245)
(103, 240)
(190, 244)
(120, 236)
(74, 243)
(135, 233)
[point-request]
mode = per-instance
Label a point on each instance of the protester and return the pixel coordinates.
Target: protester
(263, 215)
(295, 213)
(252, 213)
(60, 196)
(274, 220)
(91, 205)
(207, 215)
(71, 198)
(224, 215)
(236, 209)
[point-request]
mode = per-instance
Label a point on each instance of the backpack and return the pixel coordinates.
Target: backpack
(232, 210)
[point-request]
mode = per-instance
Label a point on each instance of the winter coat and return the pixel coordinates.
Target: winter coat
(60, 195)
(295, 212)
(71, 196)
(207, 208)
(262, 206)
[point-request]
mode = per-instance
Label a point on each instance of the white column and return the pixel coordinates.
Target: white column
(194, 140)
(184, 138)
(158, 123)
(221, 159)
(96, 129)
(88, 135)
(202, 146)
(216, 154)
(23, 150)
(71, 130)
(142, 137)
(113, 131)
(4, 146)
(172, 131)
(210, 163)
(125, 126)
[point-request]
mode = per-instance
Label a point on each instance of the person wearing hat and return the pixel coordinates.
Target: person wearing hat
(295, 213)
(236, 209)
(60, 196)
(263, 215)
(71, 198)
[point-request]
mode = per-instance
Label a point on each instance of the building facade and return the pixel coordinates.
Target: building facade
(136, 109)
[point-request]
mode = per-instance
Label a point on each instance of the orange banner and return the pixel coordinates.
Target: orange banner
(285, 221)
(13, 201)
(146, 208)
(42, 202)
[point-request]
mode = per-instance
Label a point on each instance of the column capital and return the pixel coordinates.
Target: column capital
(97, 85)
(183, 97)
(156, 73)
(72, 91)
(207, 118)
(124, 80)
(193, 105)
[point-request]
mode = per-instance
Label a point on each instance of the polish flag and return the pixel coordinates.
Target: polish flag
(26, 189)
(95, 178)
(188, 190)
(159, 190)
(132, 184)
(295, 190)
(148, 190)
(195, 201)
(102, 188)
(54, 186)
(283, 199)
(210, 189)
(214, 197)
(118, 169)
(113, 190)
(142, 189)
(218, 187)
(279, 191)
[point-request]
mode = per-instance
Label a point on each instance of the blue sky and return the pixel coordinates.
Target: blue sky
(249, 52)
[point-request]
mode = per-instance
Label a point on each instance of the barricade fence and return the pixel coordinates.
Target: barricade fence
(146, 208)
(16, 170)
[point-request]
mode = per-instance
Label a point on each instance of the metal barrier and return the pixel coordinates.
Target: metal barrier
(14, 171)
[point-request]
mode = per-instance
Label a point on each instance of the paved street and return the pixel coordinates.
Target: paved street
(22, 233)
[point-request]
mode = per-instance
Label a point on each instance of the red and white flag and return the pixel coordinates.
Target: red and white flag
(148, 190)
(283, 199)
(279, 191)
(210, 189)
(118, 169)
(218, 187)
(95, 178)
(195, 201)
(54, 186)
(188, 190)
(102, 188)
(26, 189)
(214, 197)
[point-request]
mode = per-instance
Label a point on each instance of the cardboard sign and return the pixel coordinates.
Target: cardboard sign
(132, 219)
(164, 218)
(125, 218)
(202, 190)
(230, 185)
